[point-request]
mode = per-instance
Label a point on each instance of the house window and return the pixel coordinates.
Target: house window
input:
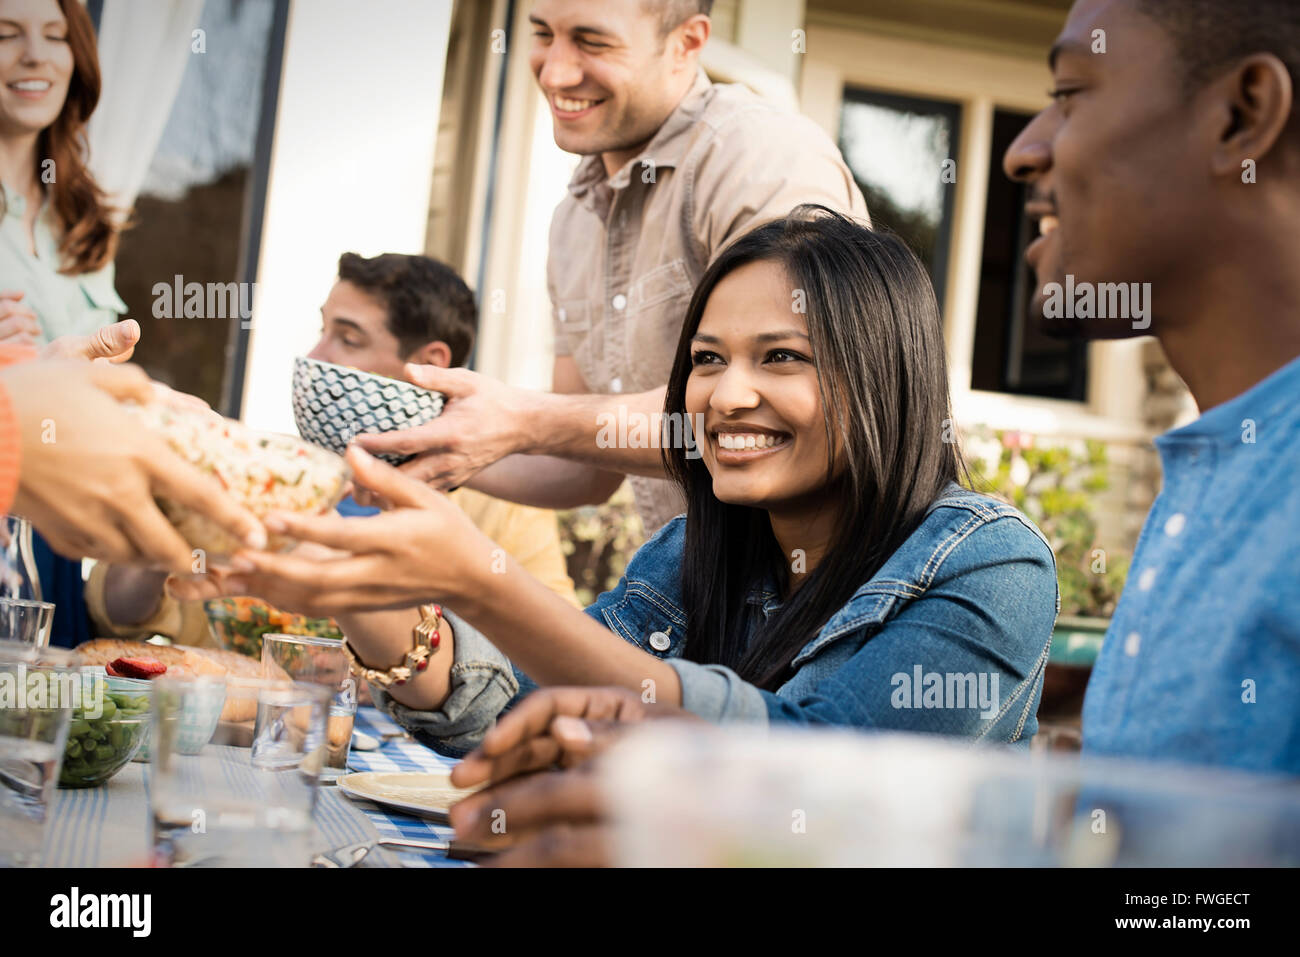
(897, 148)
(198, 214)
(1011, 353)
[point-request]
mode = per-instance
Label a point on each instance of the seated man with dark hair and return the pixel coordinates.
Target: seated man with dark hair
(393, 309)
(1171, 158)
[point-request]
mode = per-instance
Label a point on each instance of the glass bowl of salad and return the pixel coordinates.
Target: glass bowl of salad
(238, 624)
(263, 471)
(108, 726)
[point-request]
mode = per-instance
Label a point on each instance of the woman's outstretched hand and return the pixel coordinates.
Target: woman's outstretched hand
(422, 549)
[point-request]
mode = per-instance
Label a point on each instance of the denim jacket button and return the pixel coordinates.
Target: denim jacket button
(660, 641)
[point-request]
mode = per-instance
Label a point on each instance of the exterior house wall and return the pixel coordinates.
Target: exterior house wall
(350, 170)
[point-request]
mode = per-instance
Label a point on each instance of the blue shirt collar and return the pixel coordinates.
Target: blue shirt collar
(1267, 400)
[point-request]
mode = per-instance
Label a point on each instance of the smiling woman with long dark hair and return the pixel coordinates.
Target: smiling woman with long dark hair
(829, 569)
(886, 456)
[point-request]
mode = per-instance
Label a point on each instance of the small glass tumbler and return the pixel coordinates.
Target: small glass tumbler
(39, 688)
(320, 661)
(233, 806)
(26, 621)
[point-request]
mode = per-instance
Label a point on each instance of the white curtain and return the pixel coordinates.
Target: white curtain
(144, 49)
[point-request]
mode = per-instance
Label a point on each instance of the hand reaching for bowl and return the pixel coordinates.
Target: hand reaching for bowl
(89, 474)
(480, 424)
(113, 343)
(19, 326)
(423, 549)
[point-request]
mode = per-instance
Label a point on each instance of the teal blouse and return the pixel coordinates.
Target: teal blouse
(65, 305)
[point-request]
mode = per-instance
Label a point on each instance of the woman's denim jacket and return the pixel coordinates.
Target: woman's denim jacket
(950, 636)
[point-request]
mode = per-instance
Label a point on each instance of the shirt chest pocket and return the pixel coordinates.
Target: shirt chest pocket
(660, 285)
(648, 620)
(572, 317)
(100, 298)
(860, 619)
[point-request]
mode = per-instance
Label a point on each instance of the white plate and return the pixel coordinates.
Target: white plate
(424, 793)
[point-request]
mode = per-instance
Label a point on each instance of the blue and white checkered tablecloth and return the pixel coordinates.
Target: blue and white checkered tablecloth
(398, 754)
(109, 826)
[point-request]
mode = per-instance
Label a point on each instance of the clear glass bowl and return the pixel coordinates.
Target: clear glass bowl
(108, 728)
(238, 624)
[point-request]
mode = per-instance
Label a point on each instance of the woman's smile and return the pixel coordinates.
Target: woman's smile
(741, 445)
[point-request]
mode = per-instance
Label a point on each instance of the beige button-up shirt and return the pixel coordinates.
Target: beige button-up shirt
(627, 250)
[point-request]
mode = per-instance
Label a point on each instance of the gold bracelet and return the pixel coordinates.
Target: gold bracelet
(426, 635)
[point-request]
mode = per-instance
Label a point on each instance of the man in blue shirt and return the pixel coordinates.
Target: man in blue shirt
(1167, 173)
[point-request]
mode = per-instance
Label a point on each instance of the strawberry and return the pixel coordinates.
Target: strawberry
(135, 668)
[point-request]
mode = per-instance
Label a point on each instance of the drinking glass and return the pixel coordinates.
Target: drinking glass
(26, 621)
(319, 661)
(682, 795)
(229, 806)
(18, 578)
(38, 689)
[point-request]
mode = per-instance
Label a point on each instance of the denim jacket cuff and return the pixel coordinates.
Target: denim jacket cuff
(483, 684)
(718, 694)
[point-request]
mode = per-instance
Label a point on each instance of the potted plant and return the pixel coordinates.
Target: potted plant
(1056, 485)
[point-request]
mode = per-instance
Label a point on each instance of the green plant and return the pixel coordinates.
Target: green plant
(1056, 485)
(598, 541)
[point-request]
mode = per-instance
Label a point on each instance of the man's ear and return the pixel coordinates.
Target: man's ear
(692, 35)
(436, 353)
(1255, 98)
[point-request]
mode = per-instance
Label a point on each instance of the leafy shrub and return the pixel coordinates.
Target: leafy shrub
(1057, 486)
(598, 542)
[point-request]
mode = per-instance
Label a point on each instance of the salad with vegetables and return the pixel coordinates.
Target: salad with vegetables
(265, 472)
(238, 624)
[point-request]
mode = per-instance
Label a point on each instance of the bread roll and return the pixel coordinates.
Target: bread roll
(232, 661)
(185, 662)
(181, 662)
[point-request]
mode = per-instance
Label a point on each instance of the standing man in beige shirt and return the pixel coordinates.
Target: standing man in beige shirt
(675, 168)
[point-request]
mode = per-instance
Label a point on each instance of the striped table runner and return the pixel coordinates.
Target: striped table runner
(109, 826)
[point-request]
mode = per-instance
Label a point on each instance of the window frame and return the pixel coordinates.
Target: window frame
(950, 110)
(979, 82)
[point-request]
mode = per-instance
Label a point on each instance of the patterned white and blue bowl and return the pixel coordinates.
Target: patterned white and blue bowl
(333, 403)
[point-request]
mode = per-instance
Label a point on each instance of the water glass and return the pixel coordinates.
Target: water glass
(26, 621)
(38, 689)
(229, 806)
(18, 578)
(320, 661)
(684, 795)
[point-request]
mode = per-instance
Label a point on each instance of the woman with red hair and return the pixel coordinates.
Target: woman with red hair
(58, 234)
